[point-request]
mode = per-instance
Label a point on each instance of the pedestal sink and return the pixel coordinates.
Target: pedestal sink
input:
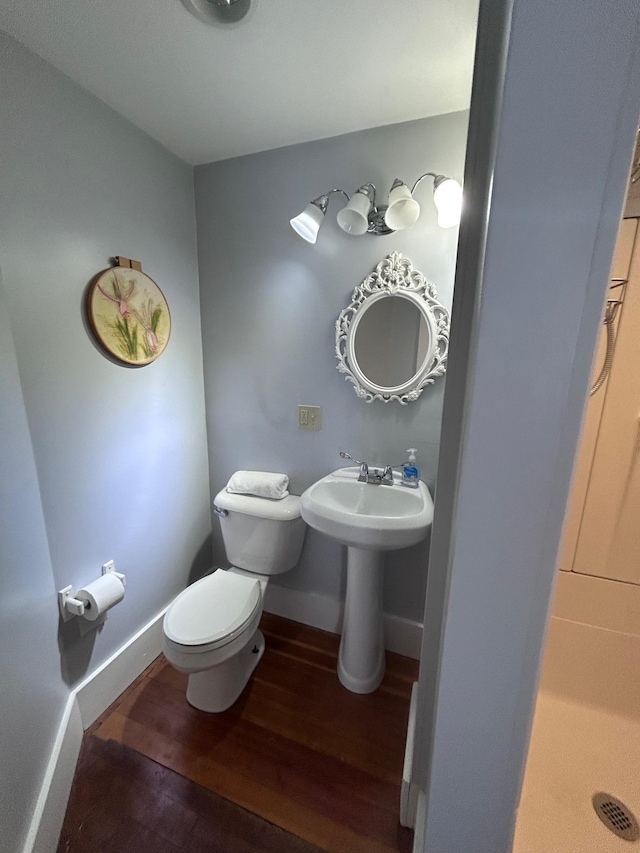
(368, 519)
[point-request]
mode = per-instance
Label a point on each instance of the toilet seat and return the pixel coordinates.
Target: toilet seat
(212, 612)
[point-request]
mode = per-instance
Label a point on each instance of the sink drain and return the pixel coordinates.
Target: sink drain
(616, 816)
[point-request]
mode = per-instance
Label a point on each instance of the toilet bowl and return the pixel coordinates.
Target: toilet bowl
(211, 628)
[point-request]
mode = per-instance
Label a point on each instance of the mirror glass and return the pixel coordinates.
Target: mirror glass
(391, 341)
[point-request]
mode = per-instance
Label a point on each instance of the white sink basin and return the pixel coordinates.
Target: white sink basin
(361, 515)
(369, 520)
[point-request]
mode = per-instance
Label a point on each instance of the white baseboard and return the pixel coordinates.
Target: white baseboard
(85, 704)
(420, 829)
(319, 611)
(103, 686)
(48, 814)
(409, 791)
(402, 636)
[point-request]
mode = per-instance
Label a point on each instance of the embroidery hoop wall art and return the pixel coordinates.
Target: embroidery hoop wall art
(128, 313)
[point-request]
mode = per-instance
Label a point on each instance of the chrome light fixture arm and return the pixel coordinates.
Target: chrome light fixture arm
(377, 225)
(375, 216)
(433, 175)
(307, 223)
(323, 200)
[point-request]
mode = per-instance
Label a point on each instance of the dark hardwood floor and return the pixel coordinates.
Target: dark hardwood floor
(306, 759)
(123, 802)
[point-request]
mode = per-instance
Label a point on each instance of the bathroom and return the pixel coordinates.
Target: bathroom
(150, 452)
(121, 455)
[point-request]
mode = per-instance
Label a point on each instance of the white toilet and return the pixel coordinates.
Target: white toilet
(211, 629)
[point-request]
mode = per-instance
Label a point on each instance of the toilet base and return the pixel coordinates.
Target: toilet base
(216, 689)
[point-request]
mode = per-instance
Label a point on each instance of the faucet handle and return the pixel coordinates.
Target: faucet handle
(364, 468)
(387, 475)
(346, 455)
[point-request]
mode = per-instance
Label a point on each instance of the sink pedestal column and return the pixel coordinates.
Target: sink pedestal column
(361, 661)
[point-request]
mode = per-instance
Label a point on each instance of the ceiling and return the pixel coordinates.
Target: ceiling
(293, 71)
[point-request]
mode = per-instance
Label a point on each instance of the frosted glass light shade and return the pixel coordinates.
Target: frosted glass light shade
(403, 210)
(354, 216)
(307, 224)
(447, 195)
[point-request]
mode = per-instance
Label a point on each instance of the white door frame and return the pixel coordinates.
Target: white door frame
(554, 109)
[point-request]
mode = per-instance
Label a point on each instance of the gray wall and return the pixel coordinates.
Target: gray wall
(269, 303)
(120, 454)
(33, 692)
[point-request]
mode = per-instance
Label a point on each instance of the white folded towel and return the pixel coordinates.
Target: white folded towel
(259, 483)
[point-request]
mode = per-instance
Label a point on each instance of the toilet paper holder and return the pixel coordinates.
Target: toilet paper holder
(71, 606)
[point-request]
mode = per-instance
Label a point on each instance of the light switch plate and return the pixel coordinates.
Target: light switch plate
(309, 417)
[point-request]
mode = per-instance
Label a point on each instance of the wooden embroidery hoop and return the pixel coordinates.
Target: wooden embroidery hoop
(138, 341)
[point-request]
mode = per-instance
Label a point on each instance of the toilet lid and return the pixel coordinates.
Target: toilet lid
(214, 608)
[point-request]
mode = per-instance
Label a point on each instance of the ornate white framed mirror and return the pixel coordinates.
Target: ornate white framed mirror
(392, 339)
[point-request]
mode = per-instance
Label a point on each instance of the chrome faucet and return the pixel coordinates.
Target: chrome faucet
(364, 468)
(373, 476)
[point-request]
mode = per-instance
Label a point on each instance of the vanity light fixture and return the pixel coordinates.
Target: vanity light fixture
(361, 214)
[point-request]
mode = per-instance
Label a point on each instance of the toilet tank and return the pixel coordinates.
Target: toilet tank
(261, 535)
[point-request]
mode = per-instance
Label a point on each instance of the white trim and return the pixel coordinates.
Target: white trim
(420, 828)
(48, 813)
(401, 636)
(85, 704)
(102, 687)
(318, 611)
(409, 791)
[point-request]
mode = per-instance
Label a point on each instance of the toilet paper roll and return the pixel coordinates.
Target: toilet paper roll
(101, 595)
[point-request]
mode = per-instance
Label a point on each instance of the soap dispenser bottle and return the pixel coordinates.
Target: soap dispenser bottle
(410, 473)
